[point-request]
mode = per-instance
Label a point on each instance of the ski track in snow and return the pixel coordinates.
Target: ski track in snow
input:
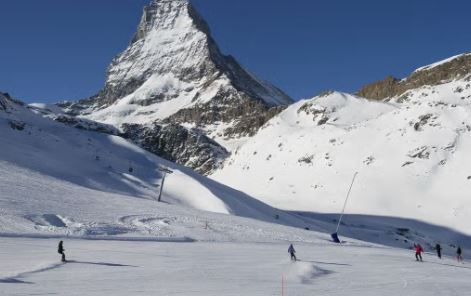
(215, 268)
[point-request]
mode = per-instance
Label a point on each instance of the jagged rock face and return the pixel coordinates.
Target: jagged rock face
(174, 73)
(7, 102)
(454, 68)
(178, 144)
(252, 114)
(3, 102)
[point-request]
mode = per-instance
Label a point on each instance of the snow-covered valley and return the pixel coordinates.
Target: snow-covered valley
(248, 172)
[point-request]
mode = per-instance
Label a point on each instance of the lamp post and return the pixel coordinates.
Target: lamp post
(165, 171)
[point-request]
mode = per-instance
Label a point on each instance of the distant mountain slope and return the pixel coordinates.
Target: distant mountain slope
(39, 150)
(411, 150)
(174, 73)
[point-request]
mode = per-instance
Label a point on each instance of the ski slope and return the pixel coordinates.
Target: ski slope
(31, 267)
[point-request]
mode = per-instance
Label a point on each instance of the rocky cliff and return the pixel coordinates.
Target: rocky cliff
(456, 67)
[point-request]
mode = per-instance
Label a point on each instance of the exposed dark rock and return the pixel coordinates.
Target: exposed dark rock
(246, 114)
(3, 102)
(457, 68)
(420, 152)
(6, 101)
(86, 124)
(175, 143)
(423, 120)
(17, 125)
(307, 159)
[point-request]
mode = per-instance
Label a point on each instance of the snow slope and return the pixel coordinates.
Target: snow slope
(29, 267)
(411, 153)
(67, 180)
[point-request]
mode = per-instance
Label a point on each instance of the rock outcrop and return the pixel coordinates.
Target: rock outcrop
(178, 144)
(442, 72)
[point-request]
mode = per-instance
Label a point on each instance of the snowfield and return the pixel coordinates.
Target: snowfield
(31, 267)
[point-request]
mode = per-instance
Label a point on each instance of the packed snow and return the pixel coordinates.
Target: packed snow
(31, 267)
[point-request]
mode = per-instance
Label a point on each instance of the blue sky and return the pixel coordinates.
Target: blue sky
(59, 49)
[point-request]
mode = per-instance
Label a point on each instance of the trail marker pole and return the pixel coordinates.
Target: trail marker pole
(282, 285)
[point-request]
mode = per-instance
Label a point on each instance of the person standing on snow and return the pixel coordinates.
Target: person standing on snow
(459, 253)
(439, 250)
(292, 252)
(60, 250)
(418, 252)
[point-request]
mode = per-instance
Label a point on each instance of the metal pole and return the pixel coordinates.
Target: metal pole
(282, 285)
(162, 186)
(345, 204)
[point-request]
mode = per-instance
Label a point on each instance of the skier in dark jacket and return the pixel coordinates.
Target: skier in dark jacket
(459, 254)
(439, 250)
(60, 250)
(292, 252)
(418, 252)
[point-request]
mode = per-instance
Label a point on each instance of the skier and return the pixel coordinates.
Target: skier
(459, 253)
(418, 252)
(291, 251)
(439, 250)
(60, 250)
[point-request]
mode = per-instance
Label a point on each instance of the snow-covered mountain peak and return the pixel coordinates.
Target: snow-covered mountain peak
(168, 15)
(172, 57)
(174, 73)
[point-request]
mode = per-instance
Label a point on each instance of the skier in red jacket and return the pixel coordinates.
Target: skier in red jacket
(418, 252)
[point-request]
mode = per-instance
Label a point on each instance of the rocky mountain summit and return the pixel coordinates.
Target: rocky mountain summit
(444, 71)
(174, 73)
